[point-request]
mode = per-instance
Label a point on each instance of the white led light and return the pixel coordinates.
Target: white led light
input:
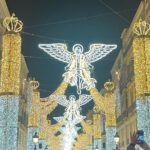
(78, 70)
(62, 100)
(72, 117)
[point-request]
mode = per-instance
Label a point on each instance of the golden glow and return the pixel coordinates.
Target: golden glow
(43, 127)
(42, 107)
(33, 119)
(98, 98)
(106, 104)
(48, 143)
(12, 24)
(89, 141)
(140, 66)
(34, 84)
(87, 127)
(11, 57)
(110, 105)
(147, 56)
(109, 86)
(11, 64)
(42, 134)
(141, 28)
(141, 51)
(97, 123)
(48, 104)
(97, 126)
(34, 114)
(110, 109)
(82, 141)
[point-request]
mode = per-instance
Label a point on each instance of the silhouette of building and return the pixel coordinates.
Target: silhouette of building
(124, 78)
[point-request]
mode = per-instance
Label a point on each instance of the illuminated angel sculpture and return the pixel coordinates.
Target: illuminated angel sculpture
(78, 70)
(72, 117)
(72, 105)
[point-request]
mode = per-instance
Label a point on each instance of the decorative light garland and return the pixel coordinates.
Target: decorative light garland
(48, 104)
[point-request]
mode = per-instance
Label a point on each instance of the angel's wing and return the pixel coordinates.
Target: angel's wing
(58, 51)
(98, 51)
(84, 99)
(61, 100)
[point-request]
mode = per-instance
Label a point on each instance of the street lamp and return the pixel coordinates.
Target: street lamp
(46, 148)
(35, 140)
(116, 139)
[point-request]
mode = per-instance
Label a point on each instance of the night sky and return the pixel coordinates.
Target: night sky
(70, 22)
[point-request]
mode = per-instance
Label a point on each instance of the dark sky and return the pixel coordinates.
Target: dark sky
(70, 21)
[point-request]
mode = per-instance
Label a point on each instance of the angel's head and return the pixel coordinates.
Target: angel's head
(72, 97)
(77, 49)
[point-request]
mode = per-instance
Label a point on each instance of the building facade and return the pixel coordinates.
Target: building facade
(124, 78)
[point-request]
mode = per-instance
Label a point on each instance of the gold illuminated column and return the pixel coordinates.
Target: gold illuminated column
(139, 60)
(141, 53)
(11, 57)
(89, 145)
(10, 83)
(97, 128)
(43, 130)
(33, 118)
(110, 115)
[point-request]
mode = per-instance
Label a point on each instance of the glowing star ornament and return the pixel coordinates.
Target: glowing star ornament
(78, 70)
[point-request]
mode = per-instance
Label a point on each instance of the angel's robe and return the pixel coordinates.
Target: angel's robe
(79, 74)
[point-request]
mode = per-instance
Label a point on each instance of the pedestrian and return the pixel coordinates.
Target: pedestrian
(134, 138)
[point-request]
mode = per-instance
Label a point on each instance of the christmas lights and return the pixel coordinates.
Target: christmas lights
(141, 51)
(110, 133)
(79, 65)
(110, 102)
(11, 57)
(139, 67)
(47, 105)
(62, 100)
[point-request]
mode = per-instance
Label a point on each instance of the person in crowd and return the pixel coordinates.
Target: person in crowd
(134, 138)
